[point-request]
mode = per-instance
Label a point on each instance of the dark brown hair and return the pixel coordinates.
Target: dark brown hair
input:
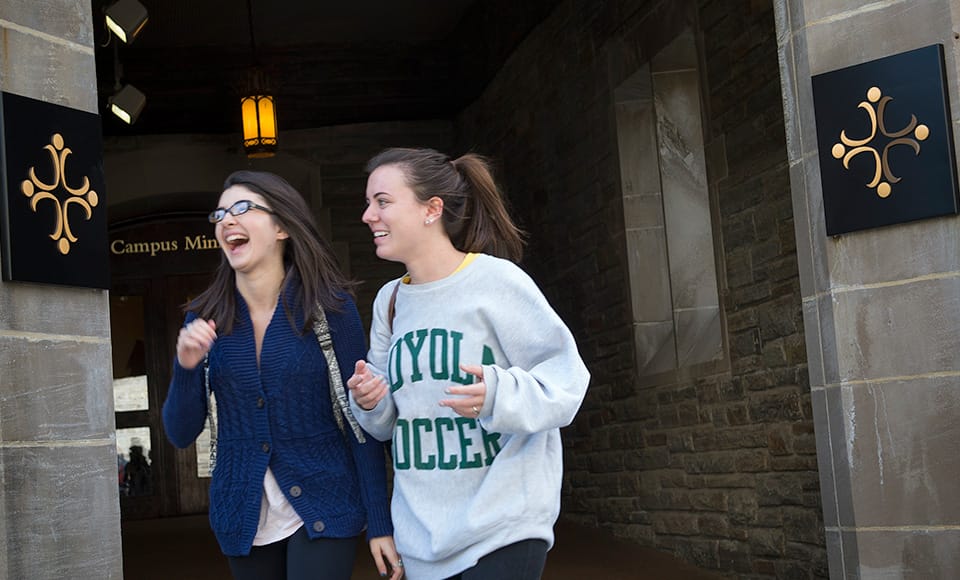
(475, 214)
(308, 258)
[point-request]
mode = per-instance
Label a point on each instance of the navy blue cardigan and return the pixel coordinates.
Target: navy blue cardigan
(281, 415)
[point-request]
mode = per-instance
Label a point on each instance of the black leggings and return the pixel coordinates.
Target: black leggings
(523, 560)
(297, 558)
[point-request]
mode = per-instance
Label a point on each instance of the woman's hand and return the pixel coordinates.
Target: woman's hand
(470, 404)
(384, 553)
(367, 389)
(194, 342)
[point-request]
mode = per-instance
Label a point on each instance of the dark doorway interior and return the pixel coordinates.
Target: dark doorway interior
(158, 265)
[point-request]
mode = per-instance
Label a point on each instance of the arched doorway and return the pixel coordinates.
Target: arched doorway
(158, 263)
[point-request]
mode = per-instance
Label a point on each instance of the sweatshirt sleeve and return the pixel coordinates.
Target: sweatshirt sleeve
(544, 380)
(369, 457)
(381, 420)
(185, 410)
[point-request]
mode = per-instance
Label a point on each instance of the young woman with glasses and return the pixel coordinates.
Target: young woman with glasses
(470, 372)
(292, 489)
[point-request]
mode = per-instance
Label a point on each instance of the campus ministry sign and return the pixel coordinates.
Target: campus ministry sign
(163, 247)
(53, 223)
(885, 141)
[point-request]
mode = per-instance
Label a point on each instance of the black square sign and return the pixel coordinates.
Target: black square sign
(53, 211)
(885, 140)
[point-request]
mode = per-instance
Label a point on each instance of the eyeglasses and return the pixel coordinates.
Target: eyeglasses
(239, 208)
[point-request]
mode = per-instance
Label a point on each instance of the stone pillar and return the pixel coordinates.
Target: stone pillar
(59, 509)
(882, 317)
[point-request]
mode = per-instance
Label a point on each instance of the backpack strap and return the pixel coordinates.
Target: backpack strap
(338, 396)
(211, 412)
(392, 305)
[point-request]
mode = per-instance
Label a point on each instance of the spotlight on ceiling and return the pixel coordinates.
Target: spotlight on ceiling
(126, 19)
(127, 103)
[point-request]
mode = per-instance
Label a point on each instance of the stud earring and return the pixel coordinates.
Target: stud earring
(428, 221)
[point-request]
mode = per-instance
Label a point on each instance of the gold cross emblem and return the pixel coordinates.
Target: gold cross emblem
(882, 167)
(37, 191)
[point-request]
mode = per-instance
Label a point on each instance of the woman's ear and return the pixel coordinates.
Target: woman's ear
(434, 208)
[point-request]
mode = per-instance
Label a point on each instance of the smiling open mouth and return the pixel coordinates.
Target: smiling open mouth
(236, 240)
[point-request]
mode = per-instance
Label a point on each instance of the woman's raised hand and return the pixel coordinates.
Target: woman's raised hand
(471, 399)
(194, 342)
(366, 388)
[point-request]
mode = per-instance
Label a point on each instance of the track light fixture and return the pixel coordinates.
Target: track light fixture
(127, 103)
(126, 19)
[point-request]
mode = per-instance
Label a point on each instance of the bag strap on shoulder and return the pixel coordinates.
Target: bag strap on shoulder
(338, 396)
(392, 305)
(211, 411)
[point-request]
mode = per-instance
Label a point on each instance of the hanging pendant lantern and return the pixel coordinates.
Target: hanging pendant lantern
(257, 107)
(259, 125)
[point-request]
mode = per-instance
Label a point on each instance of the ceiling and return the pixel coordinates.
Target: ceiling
(327, 62)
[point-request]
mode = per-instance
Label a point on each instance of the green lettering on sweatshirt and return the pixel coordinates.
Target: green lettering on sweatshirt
(455, 363)
(491, 445)
(393, 358)
(401, 445)
(488, 356)
(416, 375)
(465, 443)
(472, 447)
(445, 462)
(442, 354)
(418, 460)
(438, 364)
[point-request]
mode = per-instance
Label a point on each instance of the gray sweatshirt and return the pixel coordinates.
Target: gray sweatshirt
(465, 487)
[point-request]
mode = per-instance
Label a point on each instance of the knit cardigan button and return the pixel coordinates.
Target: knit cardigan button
(319, 526)
(260, 402)
(265, 447)
(295, 491)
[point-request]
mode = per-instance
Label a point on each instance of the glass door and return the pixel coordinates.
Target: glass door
(154, 478)
(147, 295)
(138, 469)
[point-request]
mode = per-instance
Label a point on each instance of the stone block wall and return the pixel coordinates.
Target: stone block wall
(59, 508)
(720, 466)
(881, 313)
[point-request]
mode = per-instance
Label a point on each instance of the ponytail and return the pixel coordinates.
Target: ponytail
(487, 224)
(475, 213)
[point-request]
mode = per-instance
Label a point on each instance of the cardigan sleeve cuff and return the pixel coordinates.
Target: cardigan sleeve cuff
(378, 521)
(185, 376)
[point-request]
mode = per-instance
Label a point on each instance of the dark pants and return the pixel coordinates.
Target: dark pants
(523, 560)
(297, 558)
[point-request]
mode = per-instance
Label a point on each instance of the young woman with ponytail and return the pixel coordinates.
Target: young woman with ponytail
(470, 372)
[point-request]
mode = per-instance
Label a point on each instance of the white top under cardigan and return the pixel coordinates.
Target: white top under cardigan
(278, 519)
